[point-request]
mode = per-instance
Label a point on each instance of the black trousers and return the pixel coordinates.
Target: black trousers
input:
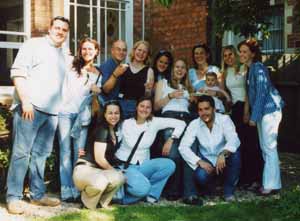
(251, 157)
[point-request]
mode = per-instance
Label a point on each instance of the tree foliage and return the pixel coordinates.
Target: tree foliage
(243, 17)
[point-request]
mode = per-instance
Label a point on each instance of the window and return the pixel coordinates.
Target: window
(14, 29)
(275, 43)
(103, 20)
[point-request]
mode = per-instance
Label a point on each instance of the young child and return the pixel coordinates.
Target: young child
(211, 88)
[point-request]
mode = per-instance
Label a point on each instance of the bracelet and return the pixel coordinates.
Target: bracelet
(169, 96)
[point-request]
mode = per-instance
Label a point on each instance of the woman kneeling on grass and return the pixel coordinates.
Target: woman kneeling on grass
(94, 174)
(146, 177)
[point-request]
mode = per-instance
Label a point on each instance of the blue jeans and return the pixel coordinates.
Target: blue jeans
(175, 183)
(147, 179)
(69, 145)
(231, 174)
(32, 144)
(128, 108)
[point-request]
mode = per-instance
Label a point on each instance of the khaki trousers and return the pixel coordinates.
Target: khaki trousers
(97, 185)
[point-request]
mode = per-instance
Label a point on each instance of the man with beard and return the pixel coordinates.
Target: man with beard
(217, 153)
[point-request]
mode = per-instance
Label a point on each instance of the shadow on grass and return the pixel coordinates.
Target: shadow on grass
(254, 211)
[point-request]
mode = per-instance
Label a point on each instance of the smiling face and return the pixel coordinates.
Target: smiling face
(144, 110)
(119, 51)
(206, 112)
(58, 32)
(162, 64)
(88, 52)
(200, 56)
(246, 56)
(140, 54)
(229, 57)
(180, 70)
(112, 115)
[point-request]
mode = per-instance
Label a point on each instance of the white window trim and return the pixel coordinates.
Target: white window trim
(128, 21)
(27, 28)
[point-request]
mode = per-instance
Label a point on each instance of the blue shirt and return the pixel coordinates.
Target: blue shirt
(107, 68)
(263, 96)
(200, 83)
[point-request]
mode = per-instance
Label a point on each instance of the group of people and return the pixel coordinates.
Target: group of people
(162, 128)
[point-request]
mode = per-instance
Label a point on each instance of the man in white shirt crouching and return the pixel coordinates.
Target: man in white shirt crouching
(217, 153)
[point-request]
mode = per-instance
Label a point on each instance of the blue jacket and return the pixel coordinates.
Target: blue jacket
(263, 96)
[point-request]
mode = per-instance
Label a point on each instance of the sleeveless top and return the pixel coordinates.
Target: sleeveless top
(175, 104)
(236, 84)
(132, 84)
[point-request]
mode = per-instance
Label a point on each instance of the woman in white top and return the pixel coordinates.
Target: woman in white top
(79, 81)
(235, 81)
(146, 177)
(172, 97)
(202, 64)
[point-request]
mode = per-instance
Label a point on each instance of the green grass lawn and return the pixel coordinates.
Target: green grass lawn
(246, 211)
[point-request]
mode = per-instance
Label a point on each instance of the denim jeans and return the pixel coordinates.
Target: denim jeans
(69, 145)
(231, 174)
(147, 179)
(32, 144)
(128, 108)
(174, 186)
(267, 133)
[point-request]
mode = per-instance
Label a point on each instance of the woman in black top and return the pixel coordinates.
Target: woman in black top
(94, 174)
(138, 79)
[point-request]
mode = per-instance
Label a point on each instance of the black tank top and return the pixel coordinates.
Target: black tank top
(132, 85)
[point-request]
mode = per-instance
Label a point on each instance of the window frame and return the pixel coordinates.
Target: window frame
(128, 21)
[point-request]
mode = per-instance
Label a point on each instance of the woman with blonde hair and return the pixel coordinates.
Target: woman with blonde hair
(235, 82)
(138, 79)
(172, 97)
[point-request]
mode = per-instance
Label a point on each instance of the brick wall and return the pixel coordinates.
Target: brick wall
(293, 40)
(42, 11)
(177, 28)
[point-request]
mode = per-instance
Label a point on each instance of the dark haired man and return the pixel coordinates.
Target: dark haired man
(38, 74)
(217, 152)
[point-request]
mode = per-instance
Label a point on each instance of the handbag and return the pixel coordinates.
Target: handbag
(95, 104)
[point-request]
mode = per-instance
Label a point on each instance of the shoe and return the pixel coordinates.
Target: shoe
(15, 207)
(267, 192)
(72, 200)
(230, 199)
(193, 200)
(151, 200)
(46, 201)
(172, 197)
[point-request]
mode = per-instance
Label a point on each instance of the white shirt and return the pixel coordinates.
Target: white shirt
(175, 104)
(236, 84)
(43, 66)
(222, 137)
(76, 89)
(131, 131)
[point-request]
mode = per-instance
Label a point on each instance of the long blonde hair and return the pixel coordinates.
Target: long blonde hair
(224, 66)
(135, 46)
(185, 81)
